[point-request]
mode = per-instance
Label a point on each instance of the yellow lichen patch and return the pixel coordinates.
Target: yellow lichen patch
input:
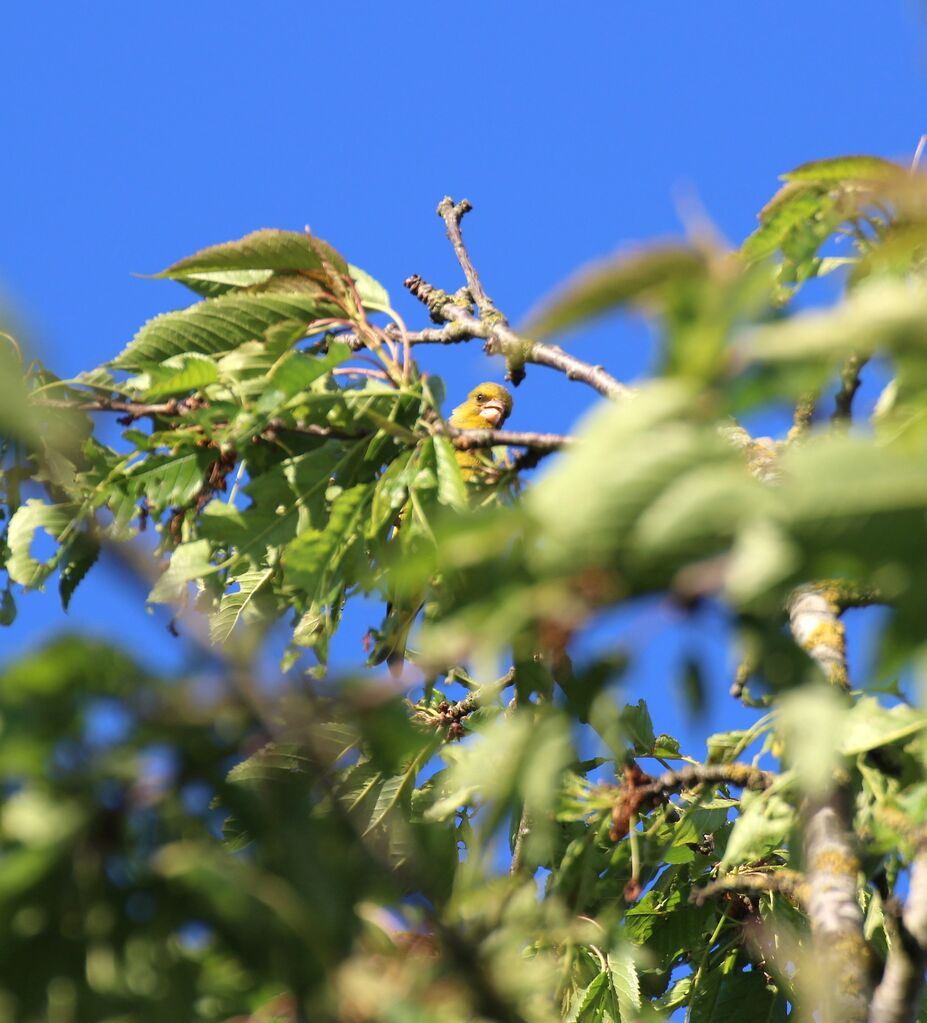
(830, 634)
(832, 594)
(834, 862)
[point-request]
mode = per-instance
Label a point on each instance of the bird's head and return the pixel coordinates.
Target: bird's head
(488, 405)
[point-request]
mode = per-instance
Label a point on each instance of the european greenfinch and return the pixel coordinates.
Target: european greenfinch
(486, 407)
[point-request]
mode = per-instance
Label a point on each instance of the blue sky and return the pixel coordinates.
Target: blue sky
(135, 134)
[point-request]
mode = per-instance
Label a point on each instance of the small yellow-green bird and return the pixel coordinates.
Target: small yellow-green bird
(486, 408)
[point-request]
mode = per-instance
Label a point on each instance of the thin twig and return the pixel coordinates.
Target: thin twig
(915, 163)
(136, 409)
(452, 213)
(463, 440)
(744, 776)
(849, 385)
(789, 883)
(802, 417)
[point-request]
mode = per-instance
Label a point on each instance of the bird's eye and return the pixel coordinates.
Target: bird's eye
(481, 397)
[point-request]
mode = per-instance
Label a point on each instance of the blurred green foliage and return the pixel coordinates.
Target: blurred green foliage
(320, 847)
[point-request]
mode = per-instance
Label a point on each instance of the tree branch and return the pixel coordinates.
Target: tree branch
(896, 998)
(744, 776)
(786, 882)
(640, 793)
(849, 385)
(817, 629)
(833, 910)
(135, 409)
(465, 440)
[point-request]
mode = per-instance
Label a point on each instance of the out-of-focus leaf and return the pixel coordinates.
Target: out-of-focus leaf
(188, 562)
(761, 558)
(628, 453)
(7, 608)
(793, 204)
(35, 818)
(763, 825)
(632, 278)
(884, 312)
(268, 764)
(847, 168)
(30, 517)
(316, 551)
(868, 725)
(512, 757)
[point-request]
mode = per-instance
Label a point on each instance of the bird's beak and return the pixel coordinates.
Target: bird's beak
(493, 412)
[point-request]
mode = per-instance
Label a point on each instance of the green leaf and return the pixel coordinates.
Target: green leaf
(847, 168)
(393, 792)
(188, 562)
(625, 982)
(315, 552)
(78, 558)
(29, 517)
(584, 1000)
(631, 278)
(452, 490)
(637, 727)
(269, 763)
(885, 312)
(626, 454)
(181, 373)
(868, 725)
(297, 370)
(212, 283)
(488, 767)
(372, 293)
(221, 324)
(794, 204)
(233, 605)
(171, 479)
(7, 607)
(737, 998)
(726, 747)
(763, 826)
(266, 249)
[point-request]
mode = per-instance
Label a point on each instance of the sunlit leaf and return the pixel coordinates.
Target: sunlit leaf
(220, 324)
(30, 517)
(234, 605)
